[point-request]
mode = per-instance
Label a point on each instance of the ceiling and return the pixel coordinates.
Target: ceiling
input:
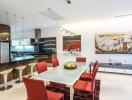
(77, 11)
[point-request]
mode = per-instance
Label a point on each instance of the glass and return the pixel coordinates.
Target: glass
(62, 75)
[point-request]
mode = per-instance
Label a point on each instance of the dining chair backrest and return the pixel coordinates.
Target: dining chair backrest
(55, 62)
(95, 65)
(94, 75)
(36, 89)
(41, 67)
(95, 70)
(80, 59)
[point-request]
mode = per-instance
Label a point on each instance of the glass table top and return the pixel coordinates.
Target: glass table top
(62, 75)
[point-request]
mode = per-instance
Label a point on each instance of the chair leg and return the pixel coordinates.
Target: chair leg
(93, 96)
(5, 81)
(20, 75)
(62, 98)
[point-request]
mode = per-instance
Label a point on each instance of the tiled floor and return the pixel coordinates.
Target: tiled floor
(113, 87)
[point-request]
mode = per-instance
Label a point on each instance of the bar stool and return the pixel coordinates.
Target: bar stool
(5, 73)
(20, 69)
(31, 65)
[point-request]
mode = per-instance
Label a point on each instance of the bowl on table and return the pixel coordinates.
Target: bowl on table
(70, 66)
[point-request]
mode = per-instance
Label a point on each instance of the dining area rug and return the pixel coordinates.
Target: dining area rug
(78, 95)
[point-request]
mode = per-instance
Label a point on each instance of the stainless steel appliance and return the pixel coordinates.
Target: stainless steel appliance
(4, 51)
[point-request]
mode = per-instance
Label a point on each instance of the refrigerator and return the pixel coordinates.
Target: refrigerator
(4, 51)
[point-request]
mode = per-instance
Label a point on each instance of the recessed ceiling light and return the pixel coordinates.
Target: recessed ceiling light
(49, 13)
(68, 1)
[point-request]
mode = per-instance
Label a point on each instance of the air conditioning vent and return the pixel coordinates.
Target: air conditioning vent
(49, 13)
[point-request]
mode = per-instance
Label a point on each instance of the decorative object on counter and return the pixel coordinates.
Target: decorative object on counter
(70, 66)
(5, 73)
(113, 43)
(114, 63)
(20, 69)
(72, 45)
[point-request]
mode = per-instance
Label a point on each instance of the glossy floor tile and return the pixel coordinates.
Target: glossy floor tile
(113, 87)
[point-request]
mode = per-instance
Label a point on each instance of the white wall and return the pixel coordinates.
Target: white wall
(88, 31)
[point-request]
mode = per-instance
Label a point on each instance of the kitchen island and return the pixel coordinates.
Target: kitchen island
(20, 61)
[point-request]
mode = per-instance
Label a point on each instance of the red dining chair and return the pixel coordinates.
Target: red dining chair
(80, 59)
(88, 76)
(41, 67)
(36, 90)
(86, 86)
(55, 62)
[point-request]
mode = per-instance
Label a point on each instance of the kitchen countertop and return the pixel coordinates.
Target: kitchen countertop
(115, 65)
(21, 60)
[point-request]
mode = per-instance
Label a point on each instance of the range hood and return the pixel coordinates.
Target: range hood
(37, 34)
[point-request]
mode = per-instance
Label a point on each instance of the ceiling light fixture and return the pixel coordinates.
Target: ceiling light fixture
(6, 17)
(22, 22)
(68, 1)
(15, 20)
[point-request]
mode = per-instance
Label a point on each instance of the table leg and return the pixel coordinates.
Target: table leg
(71, 92)
(46, 83)
(32, 71)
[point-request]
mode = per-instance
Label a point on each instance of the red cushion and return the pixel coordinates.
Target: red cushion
(86, 76)
(41, 67)
(54, 95)
(55, 62)
(80, 59)
(83, 86)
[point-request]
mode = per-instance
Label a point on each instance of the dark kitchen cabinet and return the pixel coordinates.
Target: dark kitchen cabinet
(4, 32)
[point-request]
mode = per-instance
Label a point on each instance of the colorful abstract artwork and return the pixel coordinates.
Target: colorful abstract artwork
(72, 44)
(113, 43)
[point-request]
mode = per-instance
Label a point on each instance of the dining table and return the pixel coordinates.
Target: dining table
(65, 76)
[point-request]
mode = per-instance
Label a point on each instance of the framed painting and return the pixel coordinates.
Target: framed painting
(72, 44)
(113, 43)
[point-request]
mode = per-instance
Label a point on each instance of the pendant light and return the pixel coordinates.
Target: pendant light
(15, 16)
(7, 17)
(22, 22)
(7, 33)
(15, 42)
